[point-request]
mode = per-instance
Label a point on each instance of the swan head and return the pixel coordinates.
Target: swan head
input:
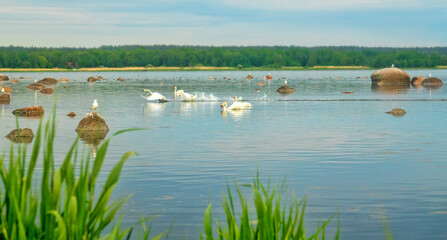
(224, 104)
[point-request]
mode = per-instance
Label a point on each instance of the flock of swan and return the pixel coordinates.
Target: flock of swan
(184, 96)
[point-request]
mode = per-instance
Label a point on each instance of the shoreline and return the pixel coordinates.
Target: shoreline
(174, 69)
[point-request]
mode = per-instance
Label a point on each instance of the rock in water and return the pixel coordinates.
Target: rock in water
(71, 114)
(7, 89)
(22, 135)
(46, 91)
(4, 78)
(29, 111)
(417, 81)
(390, 76)
(93, 79)
(285, 89)
(64, 80)
(5, 99)
(397, 112)
(432, 82)
(48, 81)
(36, 86)
(92, 126)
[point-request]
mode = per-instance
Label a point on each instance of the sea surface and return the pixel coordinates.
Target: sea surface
(339, 150)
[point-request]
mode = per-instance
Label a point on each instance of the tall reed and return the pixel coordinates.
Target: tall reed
(273, 219)
(66, 206)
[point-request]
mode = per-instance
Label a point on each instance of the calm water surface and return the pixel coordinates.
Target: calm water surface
(340, 150)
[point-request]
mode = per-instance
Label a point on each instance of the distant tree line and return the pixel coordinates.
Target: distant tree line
(190, 56)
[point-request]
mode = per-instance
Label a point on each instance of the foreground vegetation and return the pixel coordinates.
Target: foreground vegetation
(220, 57)
(67, 204)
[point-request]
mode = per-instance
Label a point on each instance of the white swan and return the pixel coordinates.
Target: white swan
(154, 96)
(236, 105)
(94, 105)
(187, 96)
(3, 91)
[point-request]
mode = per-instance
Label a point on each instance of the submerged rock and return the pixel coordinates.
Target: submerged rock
(71, 114)
(120, 79)
(4, 78)
(5, 99)
(48, 81)
(397, 112)
(390, 76)
(63, 80)
(14, 81)
(36, 86)
(29, 111)
(249, 76)
(22, 135)
(390, 89)
(47, 91)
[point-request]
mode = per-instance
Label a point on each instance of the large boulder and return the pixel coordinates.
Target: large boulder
(22, 135)
(36, 86)
(4, 78)
(92, 126)
(48, 81)
(390, 76)
(432, 82)
(5, 99)
(35, 111)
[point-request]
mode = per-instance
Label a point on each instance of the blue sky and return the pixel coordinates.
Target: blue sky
(379, 23)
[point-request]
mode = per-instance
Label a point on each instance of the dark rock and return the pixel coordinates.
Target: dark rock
(4, 78)
(120, 79)
(5, 99)
(92, 127)
(93, 79)
(417, 81)
(29, 111)
(22, 135)
(432, 82)
(48, 81)
(36, 86)
(249, 76)
(284, 89)
(71, 114)
(397, 112)
(92, 122)
(47, 91)
(390, 76)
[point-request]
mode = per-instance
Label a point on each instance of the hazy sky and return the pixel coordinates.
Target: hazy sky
(82, 23)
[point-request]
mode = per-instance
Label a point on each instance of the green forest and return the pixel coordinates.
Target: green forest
(237, 57)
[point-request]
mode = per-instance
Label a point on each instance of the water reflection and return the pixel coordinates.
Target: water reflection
(153, 109)
(390, 89)
(92, 139)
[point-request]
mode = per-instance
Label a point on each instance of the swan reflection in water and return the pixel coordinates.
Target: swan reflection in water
(153, 109)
